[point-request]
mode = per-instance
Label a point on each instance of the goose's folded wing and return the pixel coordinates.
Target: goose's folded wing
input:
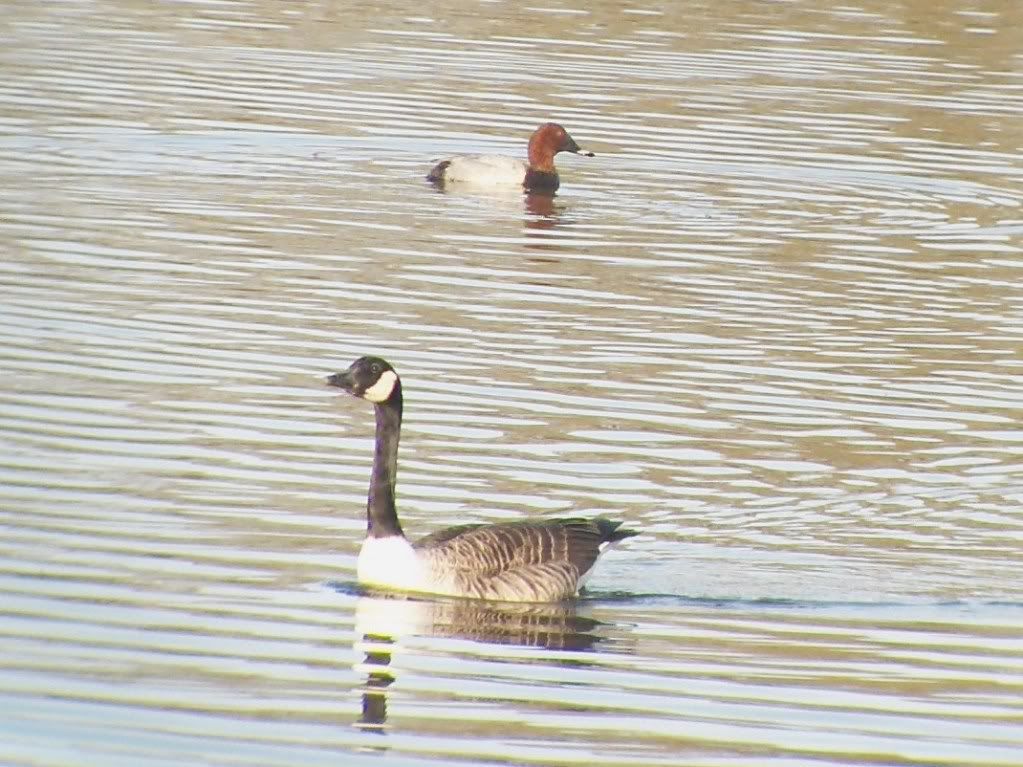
(490, 549)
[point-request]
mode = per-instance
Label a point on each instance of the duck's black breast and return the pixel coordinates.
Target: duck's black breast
(541, 181)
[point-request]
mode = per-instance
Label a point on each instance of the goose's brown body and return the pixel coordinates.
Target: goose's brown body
(535, 561)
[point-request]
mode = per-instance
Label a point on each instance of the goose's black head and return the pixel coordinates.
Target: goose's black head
(369, 378)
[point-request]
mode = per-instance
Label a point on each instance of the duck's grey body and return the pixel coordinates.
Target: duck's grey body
(527, 561)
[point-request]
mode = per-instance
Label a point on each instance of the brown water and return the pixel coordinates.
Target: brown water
(776, 323)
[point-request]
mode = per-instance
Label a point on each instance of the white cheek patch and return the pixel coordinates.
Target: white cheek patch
(381, 390)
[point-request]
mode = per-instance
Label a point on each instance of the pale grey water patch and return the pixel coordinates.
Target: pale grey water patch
(775, 322)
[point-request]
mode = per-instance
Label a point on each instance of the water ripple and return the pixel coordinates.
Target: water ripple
(774, 323)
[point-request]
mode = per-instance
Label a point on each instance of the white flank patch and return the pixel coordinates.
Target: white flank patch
(584, 577)
(579, 584)
(381, 390)
(391, 563)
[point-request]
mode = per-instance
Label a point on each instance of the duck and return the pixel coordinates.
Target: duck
(536, 175)
(530, 560)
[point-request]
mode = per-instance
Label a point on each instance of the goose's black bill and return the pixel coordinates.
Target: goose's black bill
(342, 380)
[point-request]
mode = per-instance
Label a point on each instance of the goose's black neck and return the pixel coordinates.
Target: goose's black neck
(381, 513)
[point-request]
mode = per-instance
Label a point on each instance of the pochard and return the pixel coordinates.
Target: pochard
(536, 175)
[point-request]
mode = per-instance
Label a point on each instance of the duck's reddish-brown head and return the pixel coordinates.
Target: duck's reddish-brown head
(547, 141)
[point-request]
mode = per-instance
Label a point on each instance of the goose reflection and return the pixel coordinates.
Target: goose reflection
(382, 621)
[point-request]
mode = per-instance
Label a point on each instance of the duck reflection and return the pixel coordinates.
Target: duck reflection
(382, 621)
(542, 210)
(544, 214)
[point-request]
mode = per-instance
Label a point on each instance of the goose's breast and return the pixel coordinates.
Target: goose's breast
(391, 563)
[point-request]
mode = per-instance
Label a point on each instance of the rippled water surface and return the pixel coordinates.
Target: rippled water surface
(776, 323)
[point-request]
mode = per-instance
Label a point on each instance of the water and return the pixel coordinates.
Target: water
(775, 322)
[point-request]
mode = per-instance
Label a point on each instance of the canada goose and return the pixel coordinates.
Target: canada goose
(529, 561)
